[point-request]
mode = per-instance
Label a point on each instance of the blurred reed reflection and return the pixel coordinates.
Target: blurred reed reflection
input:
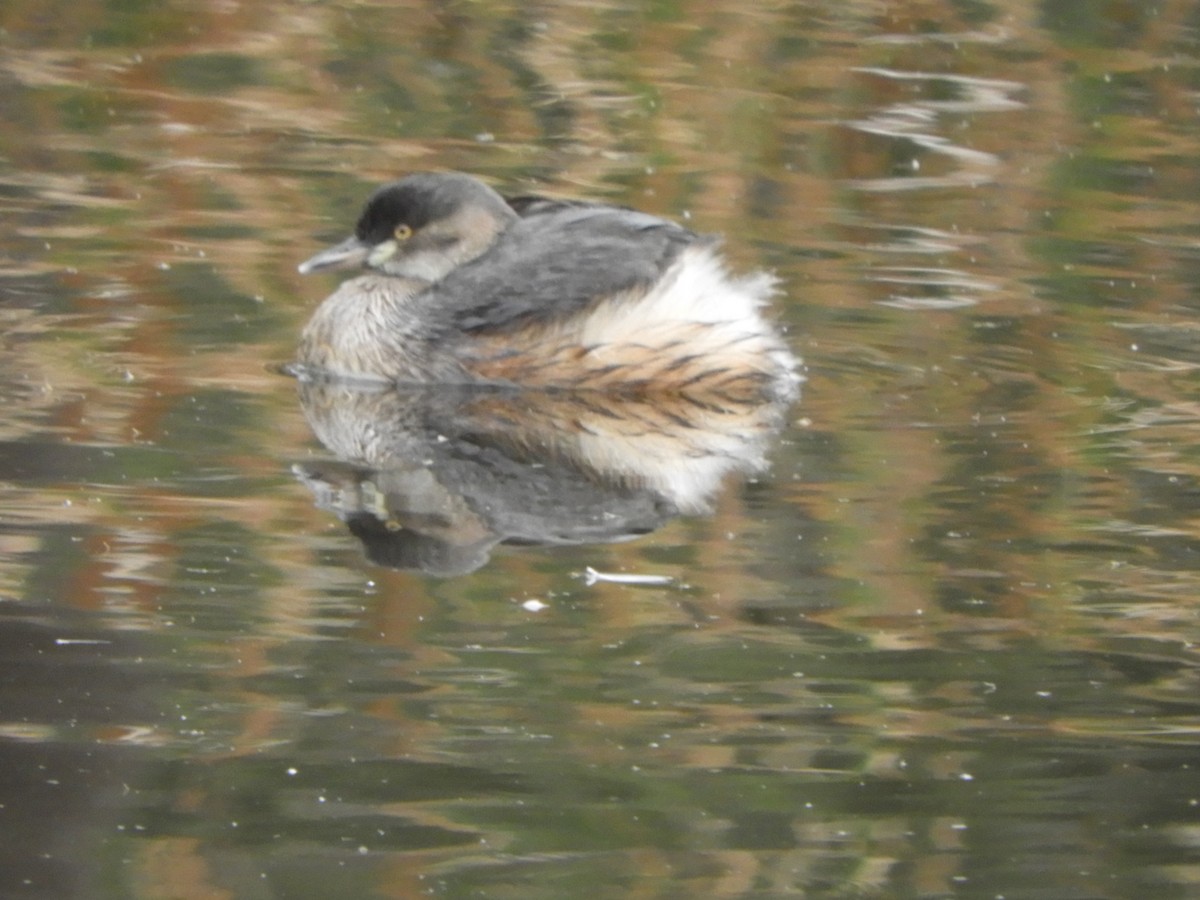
(432, 478)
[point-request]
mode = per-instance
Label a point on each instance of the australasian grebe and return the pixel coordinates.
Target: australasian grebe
(467, 287)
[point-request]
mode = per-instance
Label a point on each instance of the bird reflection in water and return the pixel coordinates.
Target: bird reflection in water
(433, 478)
(530, 371)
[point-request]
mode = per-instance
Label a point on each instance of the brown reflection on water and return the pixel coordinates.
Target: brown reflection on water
(944, 647)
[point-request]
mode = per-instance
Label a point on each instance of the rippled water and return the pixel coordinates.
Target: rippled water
(943, 645)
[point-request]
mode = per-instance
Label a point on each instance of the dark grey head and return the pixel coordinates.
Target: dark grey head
(422, 226)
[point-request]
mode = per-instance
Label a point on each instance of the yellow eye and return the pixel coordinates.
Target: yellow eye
(402, 232)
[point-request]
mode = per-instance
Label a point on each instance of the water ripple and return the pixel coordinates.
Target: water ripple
(915, 121)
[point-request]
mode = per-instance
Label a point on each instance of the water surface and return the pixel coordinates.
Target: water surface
(943, 646)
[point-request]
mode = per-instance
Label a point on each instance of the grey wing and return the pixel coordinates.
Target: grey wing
(559, 263)
(529, 205)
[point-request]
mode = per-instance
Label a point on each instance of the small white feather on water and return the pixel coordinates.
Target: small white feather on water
(591, 576)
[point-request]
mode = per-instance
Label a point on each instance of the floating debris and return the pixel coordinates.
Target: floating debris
(591, 576)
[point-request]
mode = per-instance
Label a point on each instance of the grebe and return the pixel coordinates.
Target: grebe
(465, 286)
